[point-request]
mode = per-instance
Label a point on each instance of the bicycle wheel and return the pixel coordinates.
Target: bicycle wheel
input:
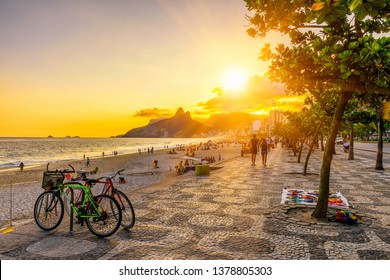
(48, 210)
(106, 215)
(128, 216)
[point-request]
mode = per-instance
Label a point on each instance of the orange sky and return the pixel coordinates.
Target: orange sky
(95, 69)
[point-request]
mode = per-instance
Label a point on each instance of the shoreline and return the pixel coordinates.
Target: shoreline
(74, 150)
(109, 164)
(139, 175)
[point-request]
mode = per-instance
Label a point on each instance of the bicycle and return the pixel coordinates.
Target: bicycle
(128, 215)
(101, 213)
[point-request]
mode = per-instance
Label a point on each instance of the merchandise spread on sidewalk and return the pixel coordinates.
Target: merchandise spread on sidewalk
(310, 197)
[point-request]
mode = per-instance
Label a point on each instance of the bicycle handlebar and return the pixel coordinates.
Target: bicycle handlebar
(112, 176)
(60, 171)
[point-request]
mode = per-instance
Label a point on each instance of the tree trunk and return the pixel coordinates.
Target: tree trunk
(294, 147)
(351, 155)
(379, 154)
(300, 150)
(307, 160)
(311, 149)
(322, 142)
(322, 203)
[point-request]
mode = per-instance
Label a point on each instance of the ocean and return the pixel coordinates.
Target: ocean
(37, 151)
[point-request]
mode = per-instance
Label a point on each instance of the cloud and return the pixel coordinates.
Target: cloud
(154, 113)
(260, 95)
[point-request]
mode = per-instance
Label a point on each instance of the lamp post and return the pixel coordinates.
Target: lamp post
(274, 105)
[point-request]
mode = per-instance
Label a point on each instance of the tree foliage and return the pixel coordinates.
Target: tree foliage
(337, 51)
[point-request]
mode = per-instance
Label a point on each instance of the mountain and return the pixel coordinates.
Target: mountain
(180, 125)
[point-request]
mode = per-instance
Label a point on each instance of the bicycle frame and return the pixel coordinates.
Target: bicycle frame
(101, 213)
(108, 188)
(88, 198)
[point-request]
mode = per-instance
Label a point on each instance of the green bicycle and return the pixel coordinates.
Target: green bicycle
(101, 213)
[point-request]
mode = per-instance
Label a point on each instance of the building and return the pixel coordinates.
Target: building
(275, 116)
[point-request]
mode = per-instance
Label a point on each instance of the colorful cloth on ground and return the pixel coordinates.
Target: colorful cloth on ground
(346, 217)
(310, 197)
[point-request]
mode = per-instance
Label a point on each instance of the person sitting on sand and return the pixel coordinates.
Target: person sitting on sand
(95, 170)
(180, 168)
(155, 164)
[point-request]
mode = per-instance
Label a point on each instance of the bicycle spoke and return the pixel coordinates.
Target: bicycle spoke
(48, 210)
(105, 216)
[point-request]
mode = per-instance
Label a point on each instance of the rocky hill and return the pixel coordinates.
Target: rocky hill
(180, 125)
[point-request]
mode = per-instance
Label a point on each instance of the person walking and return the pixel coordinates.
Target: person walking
(264, 151)
(87, 163)
(254, 144)
(21, 165)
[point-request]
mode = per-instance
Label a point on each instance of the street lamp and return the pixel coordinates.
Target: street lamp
(274, 105)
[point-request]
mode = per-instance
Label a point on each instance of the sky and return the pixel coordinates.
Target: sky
(95, 68)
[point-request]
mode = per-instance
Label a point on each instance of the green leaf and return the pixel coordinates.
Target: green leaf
(362, 13)
(354, 4)
(321, 18)
(346, 75)
(374, 126)
(356, 72)
(374, 47)
(353, 45)
(341, 10)
(347, 53)
(368, 7)
(343, 69)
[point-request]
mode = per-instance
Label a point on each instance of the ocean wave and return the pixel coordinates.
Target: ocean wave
(36, 151)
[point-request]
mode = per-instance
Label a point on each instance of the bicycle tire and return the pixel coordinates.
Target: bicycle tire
(128, 215)
(110, 216)
(49, 210)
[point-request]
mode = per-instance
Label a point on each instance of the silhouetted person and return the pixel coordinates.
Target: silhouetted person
(254, 143)
(21, 165)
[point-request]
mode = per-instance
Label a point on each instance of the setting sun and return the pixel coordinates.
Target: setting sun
(234, 79)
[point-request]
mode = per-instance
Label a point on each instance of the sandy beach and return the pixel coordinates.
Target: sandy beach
(139, 174)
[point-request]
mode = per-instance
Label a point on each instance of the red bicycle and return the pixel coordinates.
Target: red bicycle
(128, 215)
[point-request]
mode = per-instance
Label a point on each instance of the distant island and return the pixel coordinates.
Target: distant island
(181, 125)
(50, 136)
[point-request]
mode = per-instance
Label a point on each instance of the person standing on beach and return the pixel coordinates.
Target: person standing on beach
(254, 144)
(21, 165)
(87, 162)
(264, 151)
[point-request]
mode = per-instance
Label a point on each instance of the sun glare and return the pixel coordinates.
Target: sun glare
(234, 79)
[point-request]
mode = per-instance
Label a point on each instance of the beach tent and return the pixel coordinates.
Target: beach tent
(194, 159)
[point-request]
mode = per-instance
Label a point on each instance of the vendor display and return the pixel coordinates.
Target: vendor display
(310, 197)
